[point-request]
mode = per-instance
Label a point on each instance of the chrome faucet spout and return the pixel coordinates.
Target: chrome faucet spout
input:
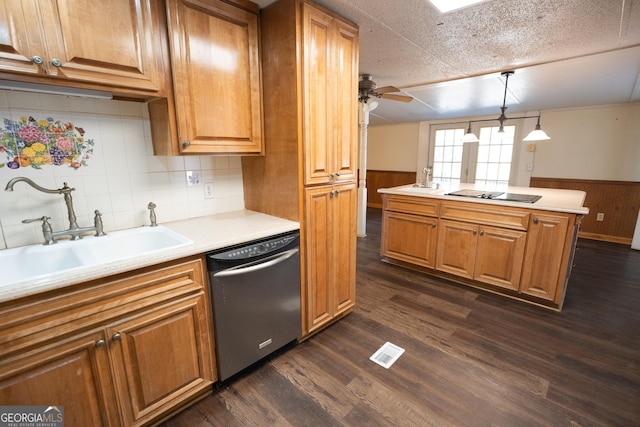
(64, 190)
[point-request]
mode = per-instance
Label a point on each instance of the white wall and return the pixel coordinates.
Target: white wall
(601, 143)
(594, 143)
(393, 147)
(121, 177)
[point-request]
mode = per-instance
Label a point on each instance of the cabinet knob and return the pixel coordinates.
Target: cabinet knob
(37, 59)
(56, 62)
(116, 337)
(332, 175)
(535, 220)
(433, 225)
(481, 232)
(474, 232)
(186, 143)
(337, 174)
(100, 343)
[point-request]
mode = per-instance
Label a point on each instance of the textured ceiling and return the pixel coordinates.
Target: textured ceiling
(566, 54)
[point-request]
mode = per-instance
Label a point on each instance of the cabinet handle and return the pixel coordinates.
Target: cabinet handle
(337, 173)
(433, 225)
(474, 232)
(535, 220)
(116, 337)
(56, 62)
(186, 143)
(100, 343)
(332, 175)
(37, 59)
(481, 232)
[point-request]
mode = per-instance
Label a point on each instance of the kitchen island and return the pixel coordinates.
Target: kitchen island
(506, 241)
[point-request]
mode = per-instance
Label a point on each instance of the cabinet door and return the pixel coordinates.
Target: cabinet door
(318, 246)
(410, 238)
(20, 37)
(499, 256)
(162, 357)
(542, 272)
(456, 251)
(344, 246)
(73, 373)
(216, 77)
(330, 252)
(345, 107)
(318, 96)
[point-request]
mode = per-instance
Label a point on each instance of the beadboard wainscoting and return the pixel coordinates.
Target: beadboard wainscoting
(116, 174)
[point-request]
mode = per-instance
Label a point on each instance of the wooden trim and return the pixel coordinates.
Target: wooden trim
(612, 239)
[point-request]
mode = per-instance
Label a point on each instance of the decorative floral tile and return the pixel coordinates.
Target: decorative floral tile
(35, 143)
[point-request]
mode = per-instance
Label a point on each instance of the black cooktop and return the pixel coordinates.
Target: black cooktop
(497, 195)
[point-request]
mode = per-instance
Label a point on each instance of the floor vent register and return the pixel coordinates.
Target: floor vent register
(387, 355)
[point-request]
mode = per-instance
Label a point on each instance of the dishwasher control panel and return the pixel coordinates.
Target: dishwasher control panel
(253, 249)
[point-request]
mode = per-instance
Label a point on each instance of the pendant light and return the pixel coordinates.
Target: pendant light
(537, 134)
(469, 136)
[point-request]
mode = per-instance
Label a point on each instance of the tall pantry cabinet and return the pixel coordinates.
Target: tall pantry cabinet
(308, 173)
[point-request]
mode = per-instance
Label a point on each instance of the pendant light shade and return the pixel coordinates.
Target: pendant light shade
(537, 134)
(469, 136)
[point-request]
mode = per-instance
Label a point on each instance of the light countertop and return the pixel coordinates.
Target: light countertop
(207, 233)
(557, 200)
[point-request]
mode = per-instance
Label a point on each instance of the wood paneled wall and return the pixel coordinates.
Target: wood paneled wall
(618, 200)
(385, 179)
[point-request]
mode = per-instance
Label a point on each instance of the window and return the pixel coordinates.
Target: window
(487, 163)
(495, 151)
(447, 156)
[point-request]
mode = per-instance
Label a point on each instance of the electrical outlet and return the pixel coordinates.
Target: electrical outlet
(208, 190)
(600, 216)
(529, 167)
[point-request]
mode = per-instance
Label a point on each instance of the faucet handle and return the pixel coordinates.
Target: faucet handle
(47, 231)
(44, 219)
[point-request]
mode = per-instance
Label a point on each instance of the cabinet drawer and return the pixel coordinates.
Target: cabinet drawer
(477, 213)
(411, 205)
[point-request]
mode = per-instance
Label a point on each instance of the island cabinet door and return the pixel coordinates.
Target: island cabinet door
(542, 272)
(161, 358)
(73, 373)
(409, 238)
(499, 256)
(456, 251)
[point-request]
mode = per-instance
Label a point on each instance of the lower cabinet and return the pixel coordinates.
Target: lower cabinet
(330, 249)
(410, 238)
(548, 257)
(521, 252)
(488, 254)
(134, 356)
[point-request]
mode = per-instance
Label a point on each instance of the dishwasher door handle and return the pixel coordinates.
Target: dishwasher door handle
(257, 265)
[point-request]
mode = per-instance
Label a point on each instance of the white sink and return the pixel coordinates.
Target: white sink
(35, 262)
(419, 190)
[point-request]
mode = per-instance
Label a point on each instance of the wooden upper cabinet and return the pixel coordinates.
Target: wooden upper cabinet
(330, 85)
(20, 37)
(217, 87)
(101, 45)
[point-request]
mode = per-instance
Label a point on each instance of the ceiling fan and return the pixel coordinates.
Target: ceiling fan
(367, 88)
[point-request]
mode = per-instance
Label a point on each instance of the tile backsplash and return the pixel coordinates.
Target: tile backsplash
(119, 178)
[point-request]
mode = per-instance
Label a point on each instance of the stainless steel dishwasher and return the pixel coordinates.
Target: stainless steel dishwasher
(255, 292)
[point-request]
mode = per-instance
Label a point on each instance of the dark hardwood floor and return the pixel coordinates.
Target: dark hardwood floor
(472, 358)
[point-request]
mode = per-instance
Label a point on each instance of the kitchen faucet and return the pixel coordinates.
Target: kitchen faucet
(74, 231)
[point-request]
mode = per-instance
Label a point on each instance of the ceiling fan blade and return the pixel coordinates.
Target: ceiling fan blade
(401, 98)
(386, 89)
